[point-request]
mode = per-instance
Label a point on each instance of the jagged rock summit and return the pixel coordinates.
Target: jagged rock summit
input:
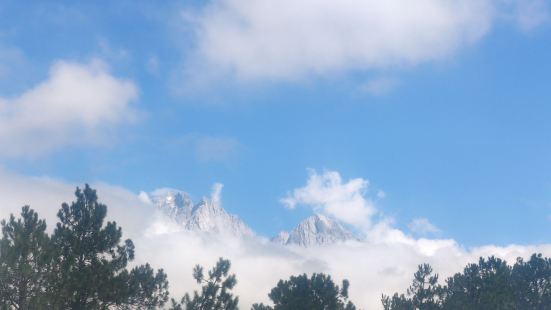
(206, 216)
(316, 230)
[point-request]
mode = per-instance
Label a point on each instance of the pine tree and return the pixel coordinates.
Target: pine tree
(304, 293)
(90, 265)
(397, 302)
(216, 290)
(489, 284)
(425, 291)
(532, 283)
(145, 288)
(261, 307)
(486, 285)
(24, 261)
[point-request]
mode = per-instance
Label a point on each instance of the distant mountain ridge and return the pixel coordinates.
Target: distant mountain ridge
(208, 216)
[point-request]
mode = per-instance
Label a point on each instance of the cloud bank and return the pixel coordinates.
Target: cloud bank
(384, 263)
(78, 104)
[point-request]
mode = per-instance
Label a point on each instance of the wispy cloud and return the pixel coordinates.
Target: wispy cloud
(380, 86)
(153, 65)
(207, 148)
(529, 14)
(422, 227)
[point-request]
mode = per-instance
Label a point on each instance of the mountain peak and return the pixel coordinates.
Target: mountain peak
(315, 230)
(206, 216)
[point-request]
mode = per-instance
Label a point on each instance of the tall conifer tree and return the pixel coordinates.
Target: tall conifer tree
(24, 261)
(91, 259)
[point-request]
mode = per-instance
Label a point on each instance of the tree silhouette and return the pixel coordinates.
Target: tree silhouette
(216, 290)
(486, 285)
(24, 261)
(489, 284)
(90, 263)
(303, 293)
(532, 282)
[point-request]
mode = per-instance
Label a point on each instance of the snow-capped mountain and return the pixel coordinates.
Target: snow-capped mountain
(316, 230)
(205, 216)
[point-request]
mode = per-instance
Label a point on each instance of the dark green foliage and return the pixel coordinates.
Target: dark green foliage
(486, 285)
(301, 292)
(82, 266)
(424, 293)
(216, 290)
(261, 307)
(490, 284)
(532, 283)
(24, 261)
(145, 288)
(91, 259)
(397, 302)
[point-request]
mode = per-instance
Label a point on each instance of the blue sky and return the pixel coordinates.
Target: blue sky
(453, 126)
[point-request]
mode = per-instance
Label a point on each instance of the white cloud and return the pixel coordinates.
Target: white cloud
(422, 226)
(216, 195)
(79, 104)
(290, 39)
(327, 193)
(45, 195)
(382, 264)
(110, 52)
(372, 268)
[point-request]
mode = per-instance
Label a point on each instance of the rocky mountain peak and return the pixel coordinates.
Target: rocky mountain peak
(315, 230)
(205, 216)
